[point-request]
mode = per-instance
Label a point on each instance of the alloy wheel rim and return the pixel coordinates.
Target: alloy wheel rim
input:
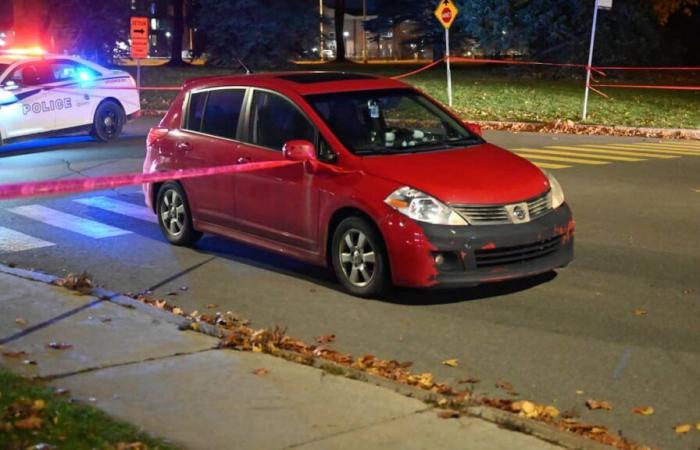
(110, 122)
(357, 258)
(172, 213)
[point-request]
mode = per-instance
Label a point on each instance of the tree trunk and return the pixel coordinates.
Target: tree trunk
(339, 18)
(177, 33)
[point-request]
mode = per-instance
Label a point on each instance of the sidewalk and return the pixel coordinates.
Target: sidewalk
(176, 385)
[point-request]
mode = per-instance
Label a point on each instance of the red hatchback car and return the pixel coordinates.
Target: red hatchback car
(390, 186)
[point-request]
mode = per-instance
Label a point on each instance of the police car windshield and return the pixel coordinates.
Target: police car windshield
(3, 67)
(390, 121)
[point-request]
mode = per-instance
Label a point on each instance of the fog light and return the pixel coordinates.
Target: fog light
(439, 259)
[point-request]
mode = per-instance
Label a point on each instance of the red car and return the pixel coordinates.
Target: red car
(390, 188)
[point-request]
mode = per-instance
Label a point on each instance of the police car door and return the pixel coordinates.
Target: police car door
(31, 111)
(73, 93)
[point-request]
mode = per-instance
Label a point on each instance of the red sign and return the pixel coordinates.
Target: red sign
(139, 37)
(446, 15)
(446, 12)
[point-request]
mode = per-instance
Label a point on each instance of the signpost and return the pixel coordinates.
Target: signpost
(139, 43)
(599, 4)
(446, 12)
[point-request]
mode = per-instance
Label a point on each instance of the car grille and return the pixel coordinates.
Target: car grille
(498, 214)
(518, 254)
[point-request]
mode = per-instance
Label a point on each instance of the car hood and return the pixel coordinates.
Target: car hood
(483, 174)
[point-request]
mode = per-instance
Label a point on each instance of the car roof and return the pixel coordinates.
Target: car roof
(303, 83)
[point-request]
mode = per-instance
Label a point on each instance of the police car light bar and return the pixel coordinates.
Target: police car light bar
(29, 51)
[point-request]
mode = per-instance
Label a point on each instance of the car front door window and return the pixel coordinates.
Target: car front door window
(275, 120)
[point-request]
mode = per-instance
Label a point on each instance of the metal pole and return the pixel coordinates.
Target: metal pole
(364, 32)
(449, 72)
(138, 73)
(590, 62)
(320, 16)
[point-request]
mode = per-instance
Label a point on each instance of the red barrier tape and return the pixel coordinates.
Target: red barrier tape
(642, 86)
(426, 67)
(71, 186)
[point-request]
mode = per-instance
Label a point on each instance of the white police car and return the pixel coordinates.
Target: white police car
(42, 94)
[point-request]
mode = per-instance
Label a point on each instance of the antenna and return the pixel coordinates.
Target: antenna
(247, 70)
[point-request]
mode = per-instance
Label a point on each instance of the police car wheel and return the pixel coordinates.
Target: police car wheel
(109, 121)
(174, 215)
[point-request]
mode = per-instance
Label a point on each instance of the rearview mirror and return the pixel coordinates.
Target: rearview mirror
(474, 128)
(299, 150)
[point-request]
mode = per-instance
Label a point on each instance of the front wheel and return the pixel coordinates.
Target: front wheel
(174, 215)
(359, 258)
(109, 121)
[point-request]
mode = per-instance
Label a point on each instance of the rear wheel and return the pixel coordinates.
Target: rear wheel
(359, 258)
(174, 215)
(109, 122)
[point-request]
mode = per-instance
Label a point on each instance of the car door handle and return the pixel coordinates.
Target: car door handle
(243, 160)
(184, 146)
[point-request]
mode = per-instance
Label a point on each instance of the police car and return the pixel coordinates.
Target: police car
(43, 94)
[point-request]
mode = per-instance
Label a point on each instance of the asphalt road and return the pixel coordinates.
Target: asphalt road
(637, 248)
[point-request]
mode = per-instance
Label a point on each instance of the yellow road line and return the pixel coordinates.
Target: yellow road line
(523, 152)
(549, 165)
(668, 147)
(679, 144)
(582, 152)
(654, 149)
(600, 149)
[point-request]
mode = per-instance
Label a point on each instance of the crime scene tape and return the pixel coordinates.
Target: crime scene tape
(75, 185)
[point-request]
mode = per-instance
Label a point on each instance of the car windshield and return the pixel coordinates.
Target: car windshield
(390, 121)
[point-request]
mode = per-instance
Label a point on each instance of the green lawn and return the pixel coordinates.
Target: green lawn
(54, 420)
(484, 93)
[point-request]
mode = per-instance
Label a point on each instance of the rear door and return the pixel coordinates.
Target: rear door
(208, 138)
(281, 203)
(73, 86)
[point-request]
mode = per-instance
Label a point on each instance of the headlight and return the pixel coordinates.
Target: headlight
(421, 207)
(557, 192)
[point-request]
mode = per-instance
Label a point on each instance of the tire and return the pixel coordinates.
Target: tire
(359, 258)
(108, 122)
(174, 215)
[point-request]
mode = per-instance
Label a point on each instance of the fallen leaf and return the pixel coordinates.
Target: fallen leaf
(505, 386)
(160, 304)
(596, 404)
(680, 429)
(643, 410)
(325, 339)
(551, 411)
(451, 362)
(30, 423)
(580, 392)
(469, 381)
(16, 354)
(59, 345)
(212, 306)
(688, 291)
(442, 402)
(29, 362)
(38, 405)
(449, 414)
(178, 311)
(21, 322)
(697, 426)
(184, 288)
(640, 312)
(261, 371)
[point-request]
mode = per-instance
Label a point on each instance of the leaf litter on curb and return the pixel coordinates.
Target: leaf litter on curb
(643, 410)
(451, 362)
(238, 334)
(261, 371)
(597, 404)
(81, 283)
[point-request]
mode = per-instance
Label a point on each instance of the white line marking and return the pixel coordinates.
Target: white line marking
(69, 222)
(119, 207)
(14, 241)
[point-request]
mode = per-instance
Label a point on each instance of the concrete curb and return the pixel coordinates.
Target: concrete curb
(499, 417)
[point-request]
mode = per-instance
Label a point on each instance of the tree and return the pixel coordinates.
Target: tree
(260, 35)
(663, 9)
(339, 21)
(86, 27)
(177, 33)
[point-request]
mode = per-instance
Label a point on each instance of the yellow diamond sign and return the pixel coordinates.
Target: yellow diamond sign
(446, 12)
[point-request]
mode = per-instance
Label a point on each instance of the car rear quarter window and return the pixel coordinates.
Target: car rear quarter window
(275, 121)
(195, 111)
(222, 112)
(66, 70)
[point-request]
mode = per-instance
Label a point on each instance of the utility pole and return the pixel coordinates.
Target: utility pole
(599, 4)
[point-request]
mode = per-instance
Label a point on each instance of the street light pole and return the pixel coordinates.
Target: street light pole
(320, 18)
(364, 32)
(590, 62)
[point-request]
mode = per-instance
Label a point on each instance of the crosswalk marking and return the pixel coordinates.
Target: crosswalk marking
(119, 207)
(524, 152)
(571, 151)
(14, 241)
(654, 149)
(544, 165)
(645, 154)
(681, 144)
(68, 222)
(670, 147)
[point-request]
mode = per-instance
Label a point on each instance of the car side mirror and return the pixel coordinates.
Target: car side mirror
(10, 85)
(299, 150)
(474, 128)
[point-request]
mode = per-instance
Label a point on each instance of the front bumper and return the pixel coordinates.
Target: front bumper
(477, 254)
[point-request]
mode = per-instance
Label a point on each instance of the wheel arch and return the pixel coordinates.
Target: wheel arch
(105, 100)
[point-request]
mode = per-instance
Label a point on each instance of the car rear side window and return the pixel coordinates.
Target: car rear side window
(275, 120)
(195, 111)
(222, 112)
